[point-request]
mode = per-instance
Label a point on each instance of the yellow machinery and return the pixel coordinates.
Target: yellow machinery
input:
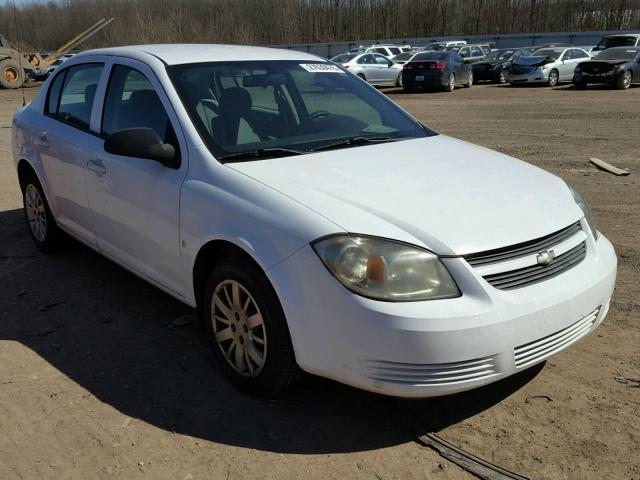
(16, 66)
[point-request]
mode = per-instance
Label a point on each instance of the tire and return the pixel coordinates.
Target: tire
(624, 80)
(451, 86)
(552, 80)
(502, 79)
(42, 226)
(470, 82)
(407, 88)
(11, 75)
(580, 85)
(399, 80)
(362, 77)
(266, 364)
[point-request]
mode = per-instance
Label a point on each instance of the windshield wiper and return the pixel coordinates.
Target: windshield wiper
(350, 142)
(259, 154)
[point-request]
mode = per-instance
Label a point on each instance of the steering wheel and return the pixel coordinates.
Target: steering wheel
(317, 115)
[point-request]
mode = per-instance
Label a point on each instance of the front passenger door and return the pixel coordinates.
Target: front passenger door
(136, 201)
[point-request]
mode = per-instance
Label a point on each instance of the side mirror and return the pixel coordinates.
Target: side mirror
(141, 143)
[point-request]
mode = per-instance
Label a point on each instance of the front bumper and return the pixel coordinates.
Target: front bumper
(535, 76)
(585, 78)
(423, 349)
(486, 74)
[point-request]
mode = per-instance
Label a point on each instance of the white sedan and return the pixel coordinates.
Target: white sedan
(313, 224)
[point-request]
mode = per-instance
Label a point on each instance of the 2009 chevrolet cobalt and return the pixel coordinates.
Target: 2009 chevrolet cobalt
(315, 225)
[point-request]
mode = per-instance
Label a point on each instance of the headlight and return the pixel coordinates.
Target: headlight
(385, 269)
(587, 213)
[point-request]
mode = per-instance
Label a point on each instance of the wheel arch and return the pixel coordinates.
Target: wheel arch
(209, 254)
(24, 170)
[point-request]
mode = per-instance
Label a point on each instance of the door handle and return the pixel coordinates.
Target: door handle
(42, 140)
(97, 167)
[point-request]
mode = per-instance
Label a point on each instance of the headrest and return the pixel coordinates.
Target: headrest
(145, 99)
(235, 101)
(90, 93)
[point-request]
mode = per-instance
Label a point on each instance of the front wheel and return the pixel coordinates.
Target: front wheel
(248, 330)
(624, 80)
(451, 85)
(470, 82)
(552, 81)
(502, 78)
(11, 74)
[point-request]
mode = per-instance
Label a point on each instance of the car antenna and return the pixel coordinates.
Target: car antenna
(15, 19)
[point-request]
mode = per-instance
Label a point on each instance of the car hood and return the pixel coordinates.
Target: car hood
(492, 63)
(448, 195)
(533, 61)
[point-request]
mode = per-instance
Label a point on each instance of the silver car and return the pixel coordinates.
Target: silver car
(371, 67)
(547, 65)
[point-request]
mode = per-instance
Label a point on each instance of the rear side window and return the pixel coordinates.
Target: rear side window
(53, 97)
(71, 94)
(476, 52)
(132, 102)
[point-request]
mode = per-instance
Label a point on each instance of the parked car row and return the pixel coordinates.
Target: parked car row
(456, 63)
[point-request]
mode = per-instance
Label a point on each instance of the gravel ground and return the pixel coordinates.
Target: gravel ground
(97, 381)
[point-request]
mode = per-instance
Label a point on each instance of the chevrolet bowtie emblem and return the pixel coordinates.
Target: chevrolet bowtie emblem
(546, 257)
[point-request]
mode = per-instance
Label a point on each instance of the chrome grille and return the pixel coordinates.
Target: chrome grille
(522, 249)
(430, 374)
(533, 352)
(538, 273)
(496, 269)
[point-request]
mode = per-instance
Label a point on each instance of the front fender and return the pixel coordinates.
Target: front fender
(232, 207)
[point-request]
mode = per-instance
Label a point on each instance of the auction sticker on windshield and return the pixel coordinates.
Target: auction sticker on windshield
(321, 68)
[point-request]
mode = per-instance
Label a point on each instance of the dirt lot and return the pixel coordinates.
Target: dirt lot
(94, 382)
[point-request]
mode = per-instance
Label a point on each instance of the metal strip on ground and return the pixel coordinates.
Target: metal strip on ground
(472, 464)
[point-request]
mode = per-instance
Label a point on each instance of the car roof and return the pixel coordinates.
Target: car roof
(176, 54)
(620, 49)
(634, 35)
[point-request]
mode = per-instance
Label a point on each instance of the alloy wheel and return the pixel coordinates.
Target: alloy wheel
(239, 328)
(36, 213)
(553, 78)
(626, 79)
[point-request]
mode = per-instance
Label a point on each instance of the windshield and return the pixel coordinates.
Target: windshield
(499, 55)
(617, 54)
(434, 46)
(403, 56)
(253, 106)
(610, 42)
(547, 52)
(442, 56)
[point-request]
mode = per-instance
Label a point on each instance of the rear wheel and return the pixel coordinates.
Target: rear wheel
(11, 75)
(42, 226)
(361, 75)
(580, 85)
(399, 80)
(624, 80)
(552, 80)
(451, 85)
(247, 328)
(407, 88)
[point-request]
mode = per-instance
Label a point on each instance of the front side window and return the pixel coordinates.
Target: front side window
(380, 60)
(72, 93)
(253, 106)
(132, 102)
(476, 52)
(464, 52)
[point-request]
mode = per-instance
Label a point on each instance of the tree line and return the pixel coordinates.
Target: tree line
(44, 25)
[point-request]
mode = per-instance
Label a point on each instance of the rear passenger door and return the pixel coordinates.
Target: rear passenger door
(64, 143)
(136, 201)
(369, 67)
